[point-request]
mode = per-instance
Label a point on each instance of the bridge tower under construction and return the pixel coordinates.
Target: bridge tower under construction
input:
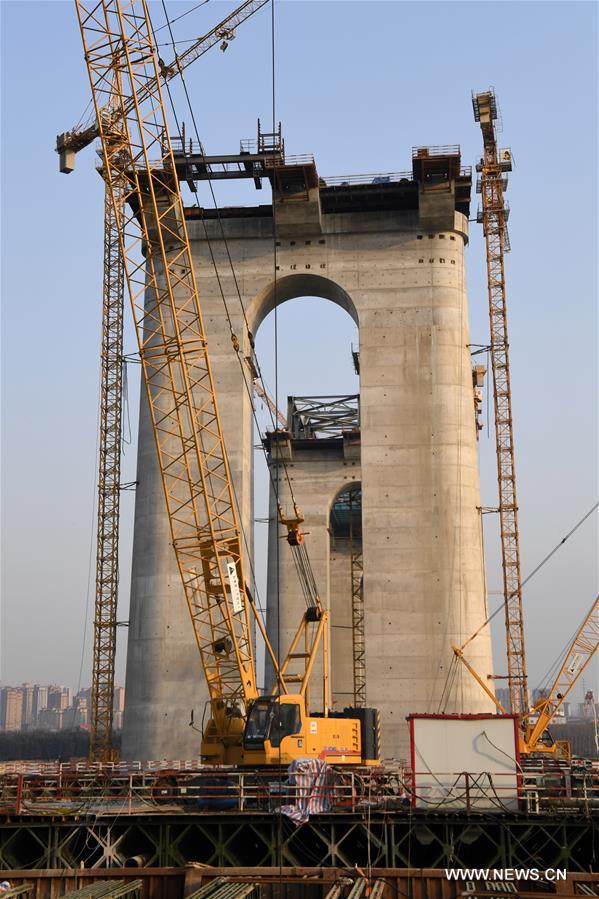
(390, 251)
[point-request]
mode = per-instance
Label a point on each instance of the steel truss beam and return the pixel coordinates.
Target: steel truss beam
(390, 840)
(324, 416)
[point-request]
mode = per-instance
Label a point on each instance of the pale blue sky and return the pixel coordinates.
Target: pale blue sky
(358, 84)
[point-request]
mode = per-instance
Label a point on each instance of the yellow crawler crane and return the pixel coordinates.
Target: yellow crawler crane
(534, 737)
(68, 145)
(143, 188)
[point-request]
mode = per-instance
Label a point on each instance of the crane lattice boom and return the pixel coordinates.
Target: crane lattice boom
(270, 403)
(108, 525)
(579, 654)
(78, 138)
(149, 219)
(138, 160)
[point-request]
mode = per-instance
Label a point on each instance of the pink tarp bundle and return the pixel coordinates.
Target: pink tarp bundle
(314, 783)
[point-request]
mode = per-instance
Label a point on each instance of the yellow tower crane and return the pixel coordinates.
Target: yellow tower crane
(534, 722)
(143, 186)
(494, 215)
(68, 145)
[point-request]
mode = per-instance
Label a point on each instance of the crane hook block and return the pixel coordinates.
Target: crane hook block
(295, 537)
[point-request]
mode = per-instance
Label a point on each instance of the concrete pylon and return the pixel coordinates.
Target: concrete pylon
(390, 252)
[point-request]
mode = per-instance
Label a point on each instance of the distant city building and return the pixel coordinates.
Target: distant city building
(27, 718)
(77, 715)
(11, 708)
(119, 700)
(86, 694)
(58, 697)
(49, 707)
(40, 700)
(503, 695)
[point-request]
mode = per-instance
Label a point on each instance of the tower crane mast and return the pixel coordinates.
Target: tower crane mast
(494, 215)
(109, 491)
(534, 722)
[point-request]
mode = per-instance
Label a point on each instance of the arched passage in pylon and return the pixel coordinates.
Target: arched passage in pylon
(316, 335)
(291, 287)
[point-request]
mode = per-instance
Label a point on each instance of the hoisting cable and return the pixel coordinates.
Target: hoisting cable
(449, 679)
(176, 19)
(532, 573)
(291, 523)
(234, 339)
(256, 606)
(279, 846)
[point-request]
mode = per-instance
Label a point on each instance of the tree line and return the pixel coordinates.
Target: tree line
(46, 745)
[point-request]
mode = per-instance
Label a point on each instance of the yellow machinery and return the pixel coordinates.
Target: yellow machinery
(534, 736)
(68, 145)
(149, 220)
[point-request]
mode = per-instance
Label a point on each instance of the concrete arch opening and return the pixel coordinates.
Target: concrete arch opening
(296, 286)
(318, 398)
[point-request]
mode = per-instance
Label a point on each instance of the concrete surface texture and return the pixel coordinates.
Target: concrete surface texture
(399, 272)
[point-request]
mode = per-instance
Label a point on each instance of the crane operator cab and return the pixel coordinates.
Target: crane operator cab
(278, 731)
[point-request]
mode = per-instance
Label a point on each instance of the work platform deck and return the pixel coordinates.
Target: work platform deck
(67, 816)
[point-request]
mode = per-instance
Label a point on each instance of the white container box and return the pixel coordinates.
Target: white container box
(465, 762)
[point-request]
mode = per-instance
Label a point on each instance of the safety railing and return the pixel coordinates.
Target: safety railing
(302, 159)
(68, 790)
(427, 152)
(380, 178)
